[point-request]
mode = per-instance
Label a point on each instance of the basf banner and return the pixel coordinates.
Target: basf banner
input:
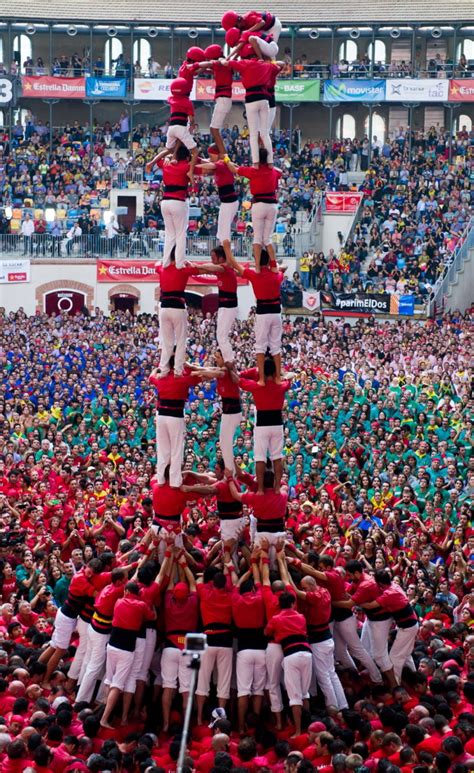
(417, 90)
(106, 88)
(340, 90)
(461, 90)
(298, 90)
(50, 87)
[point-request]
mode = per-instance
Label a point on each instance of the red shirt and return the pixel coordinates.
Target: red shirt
(181, 107)
(268, 506)
(269, 397)
(187, 71)
(176, 183)
(216, 604)
(226, 387)
(289, 624)
(172, 389)
(106, 600)
(256, 75)
(265, 285)
(168, 501)
(180, 617)
(131, 612)
(227, 280)
(248, 609)
(264, 180)
(223, 78)
(318, 608)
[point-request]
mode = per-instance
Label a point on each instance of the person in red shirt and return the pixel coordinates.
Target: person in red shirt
(190, 66)
(268, 440)
(181, 117)
(264, 182)
(173, 390)
(98, 633)
(256, 75)
(80, 592)
(266, 284)
(248, 613)
(223, 93)
(394, 601)
(267, 23)
(378, 622)
(289, 629)
(346, 639)
(130, 612)
(177, 172)
(269, 508)
(317, 604)
(181, 613)
(215, 596)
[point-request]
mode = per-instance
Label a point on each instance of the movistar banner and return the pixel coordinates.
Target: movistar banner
(356, 90)
(298, 90)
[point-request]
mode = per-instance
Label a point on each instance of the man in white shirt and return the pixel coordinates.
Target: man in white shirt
(111, 231)
(73, 237)
(27, 230)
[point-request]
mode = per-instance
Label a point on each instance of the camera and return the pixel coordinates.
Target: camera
(195, 643)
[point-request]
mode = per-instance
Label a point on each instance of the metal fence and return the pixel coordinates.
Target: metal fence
(451, 268)
(147, 245)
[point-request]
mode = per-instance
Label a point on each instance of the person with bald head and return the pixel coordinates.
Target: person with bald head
(219, 743)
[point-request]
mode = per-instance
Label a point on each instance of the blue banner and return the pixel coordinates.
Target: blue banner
(106, 88)
(342, 90)
(406, 305)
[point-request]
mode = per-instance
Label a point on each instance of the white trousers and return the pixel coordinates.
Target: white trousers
(271, 119)
(225, 322)
(150, 644)
(375, 640)
(222, 108)
(268, 332)
(268, 48)
(274, 666)
(173, 333)
(227, 213)
(402, 649)
(347, 643)
(328, 680)
(170, 431)
(76, 665)
(137, 663)
(268, 443)
(257, 120)
(180, 133)
(221, 657)
(176, 219)
(118, 666)
(297, 676)
(232, 529)
(64, 628)
(229, 423)
(175, 669)
(251, 672)
(95, 662)
(264, 217)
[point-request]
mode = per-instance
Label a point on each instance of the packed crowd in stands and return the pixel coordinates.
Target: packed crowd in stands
(379, 469)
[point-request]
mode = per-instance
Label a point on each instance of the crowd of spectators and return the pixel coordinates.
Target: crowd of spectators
(378, 461)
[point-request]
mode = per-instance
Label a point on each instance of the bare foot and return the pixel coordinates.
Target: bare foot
(106, 725)
(260, 493)
(261, 383)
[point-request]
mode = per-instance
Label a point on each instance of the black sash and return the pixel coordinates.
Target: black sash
(171, 408)
(268, 305)
(227, 193)
(227, 299)
(231, 405)
(269, 418)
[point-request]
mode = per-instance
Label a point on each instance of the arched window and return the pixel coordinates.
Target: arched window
(378, 127)
(377, 52)
(141, 54)
(113, 49)
(463, 123)
(465, 47)
(21, 49)
(346, 127)
(348, 51)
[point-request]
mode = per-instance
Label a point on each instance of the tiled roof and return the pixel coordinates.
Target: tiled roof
(190, 11)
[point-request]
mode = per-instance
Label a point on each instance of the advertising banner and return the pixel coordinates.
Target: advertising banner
(106, 88)
(298, 90)
(14, 271)
(369, 303)
(341, 90)
(461, 90)
(205, 89)
(154, 89)
(50, 87)
(111, 271)
(417, 90)
(342, 202)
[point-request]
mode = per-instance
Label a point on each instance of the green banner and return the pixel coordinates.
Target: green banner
(298, 90)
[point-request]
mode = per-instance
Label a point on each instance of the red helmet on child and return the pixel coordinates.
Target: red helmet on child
(229, 19)
(179, 86)
(195, 54)
(214, 51)
(232, 37)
